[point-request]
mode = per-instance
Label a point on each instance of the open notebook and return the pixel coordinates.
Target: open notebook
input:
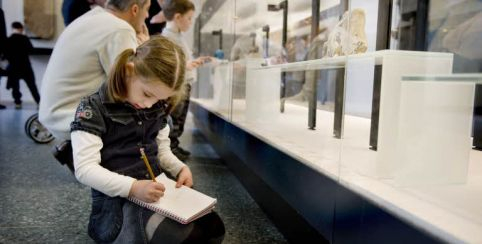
(182, 204)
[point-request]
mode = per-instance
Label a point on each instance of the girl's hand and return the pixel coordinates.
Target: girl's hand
(184, 177)
(147, 190)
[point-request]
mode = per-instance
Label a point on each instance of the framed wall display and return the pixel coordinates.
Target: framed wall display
(39, 18)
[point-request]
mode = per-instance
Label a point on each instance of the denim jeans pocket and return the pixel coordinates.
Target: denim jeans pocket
(106, 218)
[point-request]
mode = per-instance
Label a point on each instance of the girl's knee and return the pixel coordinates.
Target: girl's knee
(208, 229)
(213, 227)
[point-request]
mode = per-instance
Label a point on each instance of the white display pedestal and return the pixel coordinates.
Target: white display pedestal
(222, 87)
(203, 87)
(394, 65)
(263, 84)
(359, 77)
(451, 212)
(262, 92)
(434, 129)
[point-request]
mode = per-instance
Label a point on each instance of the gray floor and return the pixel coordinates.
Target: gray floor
(43, 203)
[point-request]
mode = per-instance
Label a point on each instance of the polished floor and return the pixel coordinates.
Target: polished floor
(41, 202)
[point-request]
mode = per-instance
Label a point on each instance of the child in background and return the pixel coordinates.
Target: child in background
(127, 113)
(17, 50)
(3, 41)
(179, 14)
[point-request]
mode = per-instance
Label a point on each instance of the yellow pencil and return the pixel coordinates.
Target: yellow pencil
(144, 157)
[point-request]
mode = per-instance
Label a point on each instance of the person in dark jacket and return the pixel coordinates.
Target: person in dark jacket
(3, 39)
(156, 21)
(18, 48)
(72, 9)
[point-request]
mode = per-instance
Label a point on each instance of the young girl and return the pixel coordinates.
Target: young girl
(127, 113)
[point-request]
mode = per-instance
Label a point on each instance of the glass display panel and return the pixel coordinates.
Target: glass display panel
(426, 172)
(409, 118)
(214, 38)
(440, 26)
(455, 27)
(272, 38)
(307, 39)
(374, 94)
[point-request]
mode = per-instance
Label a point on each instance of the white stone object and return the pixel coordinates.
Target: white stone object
(348, 36)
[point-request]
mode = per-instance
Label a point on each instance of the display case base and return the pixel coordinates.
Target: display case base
(305, 205)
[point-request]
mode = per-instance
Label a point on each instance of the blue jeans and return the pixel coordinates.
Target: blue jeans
(106, 217)
(117, 220)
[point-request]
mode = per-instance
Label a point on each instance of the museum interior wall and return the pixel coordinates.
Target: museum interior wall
(43, 24)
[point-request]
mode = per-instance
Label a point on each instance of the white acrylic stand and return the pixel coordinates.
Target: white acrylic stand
(203, 83)
(262, 92)
(394, 65)
(434, 130)
(222, 87)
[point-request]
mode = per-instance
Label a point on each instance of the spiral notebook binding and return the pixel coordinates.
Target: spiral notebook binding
(159, 210)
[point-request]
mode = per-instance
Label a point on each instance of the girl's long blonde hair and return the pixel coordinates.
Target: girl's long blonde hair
(157, 59)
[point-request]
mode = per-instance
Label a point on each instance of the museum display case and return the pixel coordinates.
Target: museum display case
(381, 99)
(213, 85)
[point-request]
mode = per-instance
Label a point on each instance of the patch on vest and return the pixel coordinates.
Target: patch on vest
(84, 112)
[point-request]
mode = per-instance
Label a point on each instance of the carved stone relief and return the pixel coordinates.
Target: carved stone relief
(39, 18)
(348, 36)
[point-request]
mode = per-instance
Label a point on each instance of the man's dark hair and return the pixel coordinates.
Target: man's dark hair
(123, 5)
(17, 25)
(172, 7)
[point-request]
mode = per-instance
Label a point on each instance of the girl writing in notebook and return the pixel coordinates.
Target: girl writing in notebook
(127, 113)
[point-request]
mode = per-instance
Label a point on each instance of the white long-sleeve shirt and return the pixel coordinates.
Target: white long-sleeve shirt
(88, 171)
(175, 35)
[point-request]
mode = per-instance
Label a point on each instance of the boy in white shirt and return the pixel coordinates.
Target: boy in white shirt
(179, 14)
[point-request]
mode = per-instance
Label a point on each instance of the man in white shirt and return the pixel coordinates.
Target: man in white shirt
(83, 55)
